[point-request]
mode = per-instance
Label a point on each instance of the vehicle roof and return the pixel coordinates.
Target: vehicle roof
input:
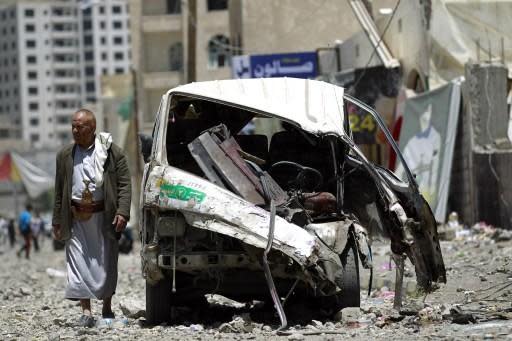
(316, 106)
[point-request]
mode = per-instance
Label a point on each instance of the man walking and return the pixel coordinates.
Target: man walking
(24, 227)
(92, 204)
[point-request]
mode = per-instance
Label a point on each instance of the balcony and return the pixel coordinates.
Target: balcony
(67, 96)
(161, 80)
(161, 23)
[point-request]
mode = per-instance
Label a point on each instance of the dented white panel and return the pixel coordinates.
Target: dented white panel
(205, 203)
(316, 106)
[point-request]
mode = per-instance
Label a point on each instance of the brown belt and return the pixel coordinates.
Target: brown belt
(95, 206)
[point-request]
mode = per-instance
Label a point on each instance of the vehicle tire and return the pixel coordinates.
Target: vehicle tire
(350, 295)
(348, 281)
(158, 301)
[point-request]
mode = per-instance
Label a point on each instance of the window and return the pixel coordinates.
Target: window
(63, 136)
(30, 28)
(219, 54)
(217, 5)
(34, 138)
(103, 56)
(87, 24)
(33, 106)
(118, 40)
(119, 70)
(89, 71)
(117, 24)
(173, 6)
(29, 12)
(32, 91)
(63, 119)
(104, 71)
(118, 56)
(90, 86)
(34, 121)
(89, 55)
(116, 9)
(30, 43)
(176, 57)
(103, 40)
(102, 24)
(88, 40)
(102, 9)
(31, 59)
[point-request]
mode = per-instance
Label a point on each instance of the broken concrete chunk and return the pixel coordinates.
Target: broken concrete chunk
(133, 308)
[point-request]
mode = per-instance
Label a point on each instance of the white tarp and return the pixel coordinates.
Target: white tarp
(459, 26)
(35, 180)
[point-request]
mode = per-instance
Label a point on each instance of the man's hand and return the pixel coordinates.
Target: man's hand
(57, 232)
(119, 223)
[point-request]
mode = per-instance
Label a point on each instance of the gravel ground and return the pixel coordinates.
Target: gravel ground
(475, 303)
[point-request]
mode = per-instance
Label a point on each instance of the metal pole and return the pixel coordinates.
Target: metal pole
(266, 267)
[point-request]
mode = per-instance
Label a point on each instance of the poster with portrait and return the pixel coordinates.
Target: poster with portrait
(427, 140)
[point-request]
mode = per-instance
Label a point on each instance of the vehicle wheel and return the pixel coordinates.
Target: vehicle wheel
(348, 281)
(158, 301)
(350, 295)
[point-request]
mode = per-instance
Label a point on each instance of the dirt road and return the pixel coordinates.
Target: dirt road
(475, 303)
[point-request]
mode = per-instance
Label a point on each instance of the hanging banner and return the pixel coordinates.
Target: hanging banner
(427, 140)
(15, 169)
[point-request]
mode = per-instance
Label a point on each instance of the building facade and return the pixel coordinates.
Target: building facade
(51, 56)
(175, 42)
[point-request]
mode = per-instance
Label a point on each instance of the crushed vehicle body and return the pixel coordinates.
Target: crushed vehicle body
(214, 198)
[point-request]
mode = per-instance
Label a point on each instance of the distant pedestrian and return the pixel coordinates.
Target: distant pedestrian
(35, 228)
(24, 227)
(11, 232)
(3, 231)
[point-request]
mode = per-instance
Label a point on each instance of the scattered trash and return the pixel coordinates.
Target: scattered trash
(460, 317)
(55, 273)
(240, 324)
(348, 315)
(196, 328)
(296, 337)
(411, 308)
(469, 296)
(430, 314)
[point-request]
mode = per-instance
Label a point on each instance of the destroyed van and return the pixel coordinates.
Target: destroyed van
(282, 216)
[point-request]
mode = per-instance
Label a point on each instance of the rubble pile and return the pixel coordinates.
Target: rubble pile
(474, 303)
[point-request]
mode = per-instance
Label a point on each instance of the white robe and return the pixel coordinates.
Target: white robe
(91, 254)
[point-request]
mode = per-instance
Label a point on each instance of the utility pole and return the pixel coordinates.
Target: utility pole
(191, 37)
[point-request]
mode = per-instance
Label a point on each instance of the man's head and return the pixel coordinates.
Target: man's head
(83, 127)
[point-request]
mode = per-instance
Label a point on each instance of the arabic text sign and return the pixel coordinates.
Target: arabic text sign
(297, 65)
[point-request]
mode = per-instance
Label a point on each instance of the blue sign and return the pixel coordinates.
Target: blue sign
(298, 65)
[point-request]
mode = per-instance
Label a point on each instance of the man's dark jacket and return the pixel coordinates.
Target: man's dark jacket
(116, 189)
